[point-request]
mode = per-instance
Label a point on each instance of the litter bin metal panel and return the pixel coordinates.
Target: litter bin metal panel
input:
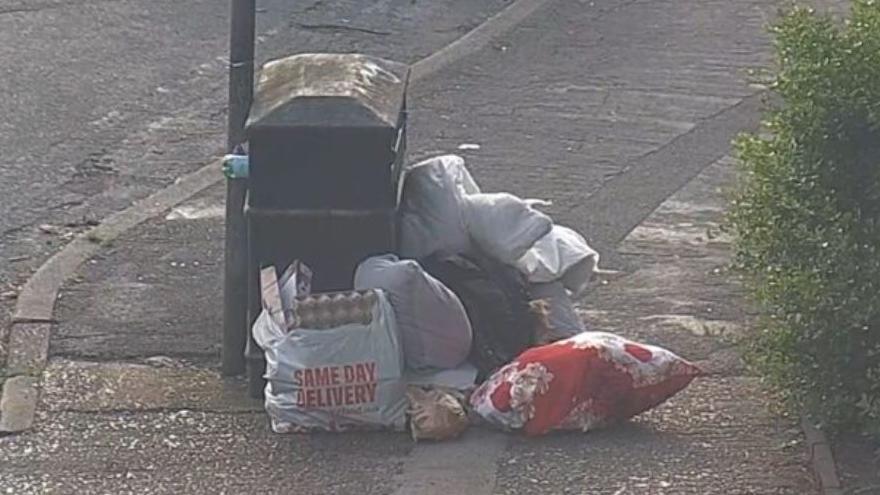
(331, 242)
(302, 168)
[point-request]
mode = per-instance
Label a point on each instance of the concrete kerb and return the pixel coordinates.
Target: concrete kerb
(29, 343)
(18, 404)
(821, 459)
(36, 301)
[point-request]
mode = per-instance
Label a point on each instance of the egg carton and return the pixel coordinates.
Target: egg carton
(335, 309)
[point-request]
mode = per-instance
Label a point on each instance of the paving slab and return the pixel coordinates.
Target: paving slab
(173, 452)
(155, 384)
(707, 440)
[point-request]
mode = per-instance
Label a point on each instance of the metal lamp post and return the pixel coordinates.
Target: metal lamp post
(241, 81)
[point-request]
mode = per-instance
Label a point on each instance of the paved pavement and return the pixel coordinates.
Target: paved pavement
(585, 97)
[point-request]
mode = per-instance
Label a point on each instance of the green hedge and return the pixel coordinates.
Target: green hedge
(806, 218)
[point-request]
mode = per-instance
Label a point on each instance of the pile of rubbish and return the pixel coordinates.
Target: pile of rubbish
(472, 319)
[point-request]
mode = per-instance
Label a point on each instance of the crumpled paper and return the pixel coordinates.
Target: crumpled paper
(435, 414)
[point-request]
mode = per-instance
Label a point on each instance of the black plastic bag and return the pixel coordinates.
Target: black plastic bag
(496, 299)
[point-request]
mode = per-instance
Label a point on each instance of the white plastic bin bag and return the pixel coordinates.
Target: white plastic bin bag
(430, 213)
(504, 226)
(561, 255)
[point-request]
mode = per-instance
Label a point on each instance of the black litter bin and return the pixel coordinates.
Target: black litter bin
(327, 136)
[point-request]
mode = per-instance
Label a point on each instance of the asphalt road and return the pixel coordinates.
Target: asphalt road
(80, 76)
(107, 101)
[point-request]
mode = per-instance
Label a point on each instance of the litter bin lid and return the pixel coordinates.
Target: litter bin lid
(329, 90)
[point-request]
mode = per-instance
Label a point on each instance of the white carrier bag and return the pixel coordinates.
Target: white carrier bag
(333, 361)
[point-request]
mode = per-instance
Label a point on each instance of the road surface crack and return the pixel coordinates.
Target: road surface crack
(341, 27)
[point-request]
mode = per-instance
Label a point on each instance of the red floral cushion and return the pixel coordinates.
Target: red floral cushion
(584, 382)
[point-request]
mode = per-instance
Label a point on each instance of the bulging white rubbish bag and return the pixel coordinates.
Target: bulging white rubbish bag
(561, 255)
(430, 212)
(504, 226)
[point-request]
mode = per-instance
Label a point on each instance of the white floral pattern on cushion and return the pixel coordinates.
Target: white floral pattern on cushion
(532, 380)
